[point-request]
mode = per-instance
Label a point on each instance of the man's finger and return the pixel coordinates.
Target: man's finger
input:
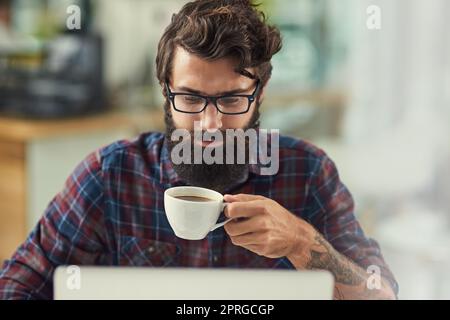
(243, 209)
(236, 228)
(248, 240)
(241, 197)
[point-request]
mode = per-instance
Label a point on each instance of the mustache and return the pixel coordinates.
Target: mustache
(226, 141)
(202, 132)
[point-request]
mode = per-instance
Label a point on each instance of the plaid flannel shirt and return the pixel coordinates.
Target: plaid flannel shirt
(111, 212)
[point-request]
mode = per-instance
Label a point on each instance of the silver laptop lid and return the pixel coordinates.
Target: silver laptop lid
(113, 283)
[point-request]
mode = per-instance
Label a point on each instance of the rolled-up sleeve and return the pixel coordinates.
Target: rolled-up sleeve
(333, 215)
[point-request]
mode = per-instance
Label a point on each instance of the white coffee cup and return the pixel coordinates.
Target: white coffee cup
(193, 220)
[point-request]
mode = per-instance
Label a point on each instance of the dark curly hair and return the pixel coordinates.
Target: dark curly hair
(214, 29)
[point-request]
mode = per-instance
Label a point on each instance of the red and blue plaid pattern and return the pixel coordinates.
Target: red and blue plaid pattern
(111, 212)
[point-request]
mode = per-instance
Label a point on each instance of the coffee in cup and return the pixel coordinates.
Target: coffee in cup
(193, 212)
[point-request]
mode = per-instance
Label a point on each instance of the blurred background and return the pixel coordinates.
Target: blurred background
(377, 101)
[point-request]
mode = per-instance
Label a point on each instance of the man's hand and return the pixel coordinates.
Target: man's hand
(264, 227)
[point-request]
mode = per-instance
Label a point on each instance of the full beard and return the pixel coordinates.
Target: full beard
(216, 176)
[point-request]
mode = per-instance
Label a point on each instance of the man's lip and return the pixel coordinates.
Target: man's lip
(211, 144)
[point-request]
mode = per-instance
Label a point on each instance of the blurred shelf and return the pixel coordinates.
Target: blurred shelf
(320, 98)
(310, 114)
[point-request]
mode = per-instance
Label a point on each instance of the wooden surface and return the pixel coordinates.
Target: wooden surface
(15, 137)
(16, 129)
(12, 197)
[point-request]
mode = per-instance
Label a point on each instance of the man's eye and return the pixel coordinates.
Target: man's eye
(230, 101)
(192, 100)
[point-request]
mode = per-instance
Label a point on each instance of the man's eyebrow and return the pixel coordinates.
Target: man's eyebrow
(224, 93)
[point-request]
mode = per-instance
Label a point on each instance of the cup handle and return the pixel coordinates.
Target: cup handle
(218, 225)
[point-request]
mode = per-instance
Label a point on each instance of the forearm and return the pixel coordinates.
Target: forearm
(350, 279)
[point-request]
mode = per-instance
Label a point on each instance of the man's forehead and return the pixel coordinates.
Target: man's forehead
(192, 71)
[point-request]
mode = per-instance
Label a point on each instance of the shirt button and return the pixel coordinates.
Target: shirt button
(151, 249)
(215, 258)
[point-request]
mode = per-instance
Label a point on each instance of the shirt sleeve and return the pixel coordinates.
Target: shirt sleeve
(70, 232)
(332, 208)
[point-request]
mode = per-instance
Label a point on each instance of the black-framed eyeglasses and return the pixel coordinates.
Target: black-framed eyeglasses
(232, 104)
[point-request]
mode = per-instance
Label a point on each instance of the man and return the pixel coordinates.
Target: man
(111, 209)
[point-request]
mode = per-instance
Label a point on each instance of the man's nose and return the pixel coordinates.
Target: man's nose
(211, 117)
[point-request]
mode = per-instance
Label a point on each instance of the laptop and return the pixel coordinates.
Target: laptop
(135, 283)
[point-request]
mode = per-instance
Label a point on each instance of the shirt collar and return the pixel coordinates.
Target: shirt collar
(167, 172)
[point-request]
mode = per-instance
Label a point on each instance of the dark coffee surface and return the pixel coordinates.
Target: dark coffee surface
(194, 198)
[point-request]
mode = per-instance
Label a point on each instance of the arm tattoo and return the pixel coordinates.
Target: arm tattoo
(350, 279)
(324, 256)
(337, 294)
